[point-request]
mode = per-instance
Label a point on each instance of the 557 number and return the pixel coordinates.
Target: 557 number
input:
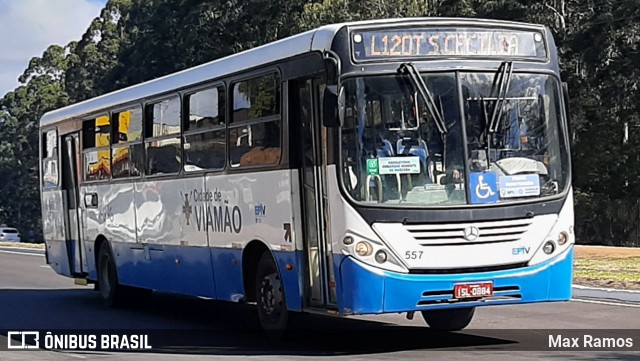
(413, 254)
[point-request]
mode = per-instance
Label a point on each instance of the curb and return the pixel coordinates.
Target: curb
(580, 291)
(22, 250)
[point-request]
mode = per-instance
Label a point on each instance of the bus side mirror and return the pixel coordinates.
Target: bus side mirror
(333, 107)
(332, 68)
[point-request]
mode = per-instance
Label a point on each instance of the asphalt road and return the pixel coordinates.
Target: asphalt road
(33, 297)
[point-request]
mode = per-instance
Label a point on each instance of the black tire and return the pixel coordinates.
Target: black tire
(271, 303)
(453, 319)
(110, 289)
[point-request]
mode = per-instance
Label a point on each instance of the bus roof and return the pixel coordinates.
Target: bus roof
(319, 39)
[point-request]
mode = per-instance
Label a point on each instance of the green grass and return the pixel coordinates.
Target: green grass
(608, 269)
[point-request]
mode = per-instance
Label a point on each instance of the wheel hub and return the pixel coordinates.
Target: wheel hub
(271, 294)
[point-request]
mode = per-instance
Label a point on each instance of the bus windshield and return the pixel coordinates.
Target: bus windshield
(472, 144)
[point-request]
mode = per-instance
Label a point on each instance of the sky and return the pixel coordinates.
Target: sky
(28, 27)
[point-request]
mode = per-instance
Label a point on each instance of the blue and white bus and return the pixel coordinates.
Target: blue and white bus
(396, 165)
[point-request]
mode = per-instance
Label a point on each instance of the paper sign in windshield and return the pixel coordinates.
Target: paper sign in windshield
(399, 165)
(519, 186)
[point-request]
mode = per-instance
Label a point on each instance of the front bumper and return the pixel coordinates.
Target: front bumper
(367, 290)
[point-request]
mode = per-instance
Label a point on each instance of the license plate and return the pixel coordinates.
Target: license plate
(473, 290)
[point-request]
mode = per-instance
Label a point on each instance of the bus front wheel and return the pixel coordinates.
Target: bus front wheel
(452, 319)
(271, 304)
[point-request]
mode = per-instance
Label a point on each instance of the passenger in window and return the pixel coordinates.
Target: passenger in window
(266, 145)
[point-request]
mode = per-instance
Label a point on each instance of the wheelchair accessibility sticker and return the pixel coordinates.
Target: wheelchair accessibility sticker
(484, 187)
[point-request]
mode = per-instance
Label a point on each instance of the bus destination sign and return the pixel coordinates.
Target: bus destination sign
(447, 42)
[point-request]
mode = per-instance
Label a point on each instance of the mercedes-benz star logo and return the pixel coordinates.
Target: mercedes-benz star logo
(471, 233)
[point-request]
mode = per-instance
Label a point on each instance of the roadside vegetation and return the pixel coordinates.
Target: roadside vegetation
(133, 41)
(607, 267)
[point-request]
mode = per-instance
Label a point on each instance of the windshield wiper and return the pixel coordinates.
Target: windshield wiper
(502, 81)
(417, 81)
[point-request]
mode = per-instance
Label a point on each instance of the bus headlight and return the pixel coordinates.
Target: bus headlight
(563, 237)
(549, 247)
(372, 252)
(381, 256)
(363, 248)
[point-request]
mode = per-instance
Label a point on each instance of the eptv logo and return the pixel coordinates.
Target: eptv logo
(23, 340)
(261, 210)
(520, 250)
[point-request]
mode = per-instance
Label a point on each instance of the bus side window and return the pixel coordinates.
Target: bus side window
(126, 148)
(204, 139)
(255, 129)
(162, 137)
(96, 141)
(50, 173)
(50, 178)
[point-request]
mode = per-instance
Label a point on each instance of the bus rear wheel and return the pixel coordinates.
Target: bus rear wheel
(453, 319)
(271, 304)
(110, 290)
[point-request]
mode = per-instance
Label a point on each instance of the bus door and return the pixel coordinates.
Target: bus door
(70, 178)
(319, 273)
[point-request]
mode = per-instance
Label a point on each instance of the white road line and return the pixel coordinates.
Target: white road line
(23, 253)
(580, 287)
(606, 303)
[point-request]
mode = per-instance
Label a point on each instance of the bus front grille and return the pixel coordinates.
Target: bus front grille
(427, 271)
(469, 233)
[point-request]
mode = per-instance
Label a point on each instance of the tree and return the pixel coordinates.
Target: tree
(42, 90)
(135, 41)
(166, 37)
(96, 54)
(335, 11)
